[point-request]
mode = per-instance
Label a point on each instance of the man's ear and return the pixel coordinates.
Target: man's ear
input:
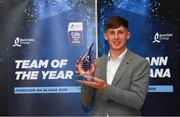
(129, 35)
(105, 36)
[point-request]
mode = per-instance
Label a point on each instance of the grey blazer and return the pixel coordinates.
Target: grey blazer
(126, 94)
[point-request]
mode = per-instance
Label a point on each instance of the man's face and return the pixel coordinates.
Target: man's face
(117, 38)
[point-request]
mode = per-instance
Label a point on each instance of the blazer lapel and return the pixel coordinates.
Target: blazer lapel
(122, 67)
(104, 68)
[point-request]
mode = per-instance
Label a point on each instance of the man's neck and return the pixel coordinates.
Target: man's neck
(116, 53)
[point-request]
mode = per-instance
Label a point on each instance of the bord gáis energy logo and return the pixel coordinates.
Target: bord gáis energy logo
(18, 42)
(158, 37)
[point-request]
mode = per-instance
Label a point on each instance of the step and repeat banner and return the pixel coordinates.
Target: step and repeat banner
(40, 41)
(155, 29)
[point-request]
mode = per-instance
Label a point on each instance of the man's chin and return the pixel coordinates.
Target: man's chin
(116, 47)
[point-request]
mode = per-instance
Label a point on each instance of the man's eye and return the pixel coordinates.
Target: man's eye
(111, 33)
(120, 32)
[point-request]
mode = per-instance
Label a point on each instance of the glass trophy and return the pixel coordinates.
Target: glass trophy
(85, 65)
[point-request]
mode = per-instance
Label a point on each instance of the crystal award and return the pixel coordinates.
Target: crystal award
(85, 65)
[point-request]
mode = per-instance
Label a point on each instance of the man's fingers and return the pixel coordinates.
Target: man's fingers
(95, 64)
(95, 79)
(77, 61)
(77, 72)
(78, 81)
(92, 67)
(88, 83)
(98, 80)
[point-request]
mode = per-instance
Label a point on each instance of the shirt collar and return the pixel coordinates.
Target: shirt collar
(120, 56)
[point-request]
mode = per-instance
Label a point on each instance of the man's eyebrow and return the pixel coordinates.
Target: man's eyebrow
(117, 30)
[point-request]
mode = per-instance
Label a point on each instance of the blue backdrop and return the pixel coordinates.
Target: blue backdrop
(60, 31)
(55, 32)
(154, 27)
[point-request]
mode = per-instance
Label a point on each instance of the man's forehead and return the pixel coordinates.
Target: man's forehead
(121, 28)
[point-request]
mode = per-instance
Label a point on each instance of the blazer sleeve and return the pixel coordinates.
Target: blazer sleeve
(87, 96)
(138, 88)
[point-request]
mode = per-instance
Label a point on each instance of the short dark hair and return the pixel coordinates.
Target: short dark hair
(116, 22)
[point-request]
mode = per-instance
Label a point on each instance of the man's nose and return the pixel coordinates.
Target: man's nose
(116, 36)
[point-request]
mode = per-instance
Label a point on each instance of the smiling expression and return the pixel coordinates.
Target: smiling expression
(117, 38)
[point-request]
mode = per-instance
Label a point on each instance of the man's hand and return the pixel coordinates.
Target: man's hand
(86, 73)
(97, 83)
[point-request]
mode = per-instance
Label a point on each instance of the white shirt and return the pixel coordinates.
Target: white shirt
(113, 65)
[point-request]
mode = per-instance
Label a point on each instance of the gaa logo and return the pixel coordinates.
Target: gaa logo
(75, 32)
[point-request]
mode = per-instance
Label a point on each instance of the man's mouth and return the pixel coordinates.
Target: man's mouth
(116, 42)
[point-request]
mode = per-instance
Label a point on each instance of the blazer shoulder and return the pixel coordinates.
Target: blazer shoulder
(137, 58)
(101, 59)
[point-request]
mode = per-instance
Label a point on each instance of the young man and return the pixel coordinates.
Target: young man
(120, 83)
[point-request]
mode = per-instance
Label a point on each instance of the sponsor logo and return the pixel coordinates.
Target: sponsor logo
(162, 37)
(18, 42)
(75, 32)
